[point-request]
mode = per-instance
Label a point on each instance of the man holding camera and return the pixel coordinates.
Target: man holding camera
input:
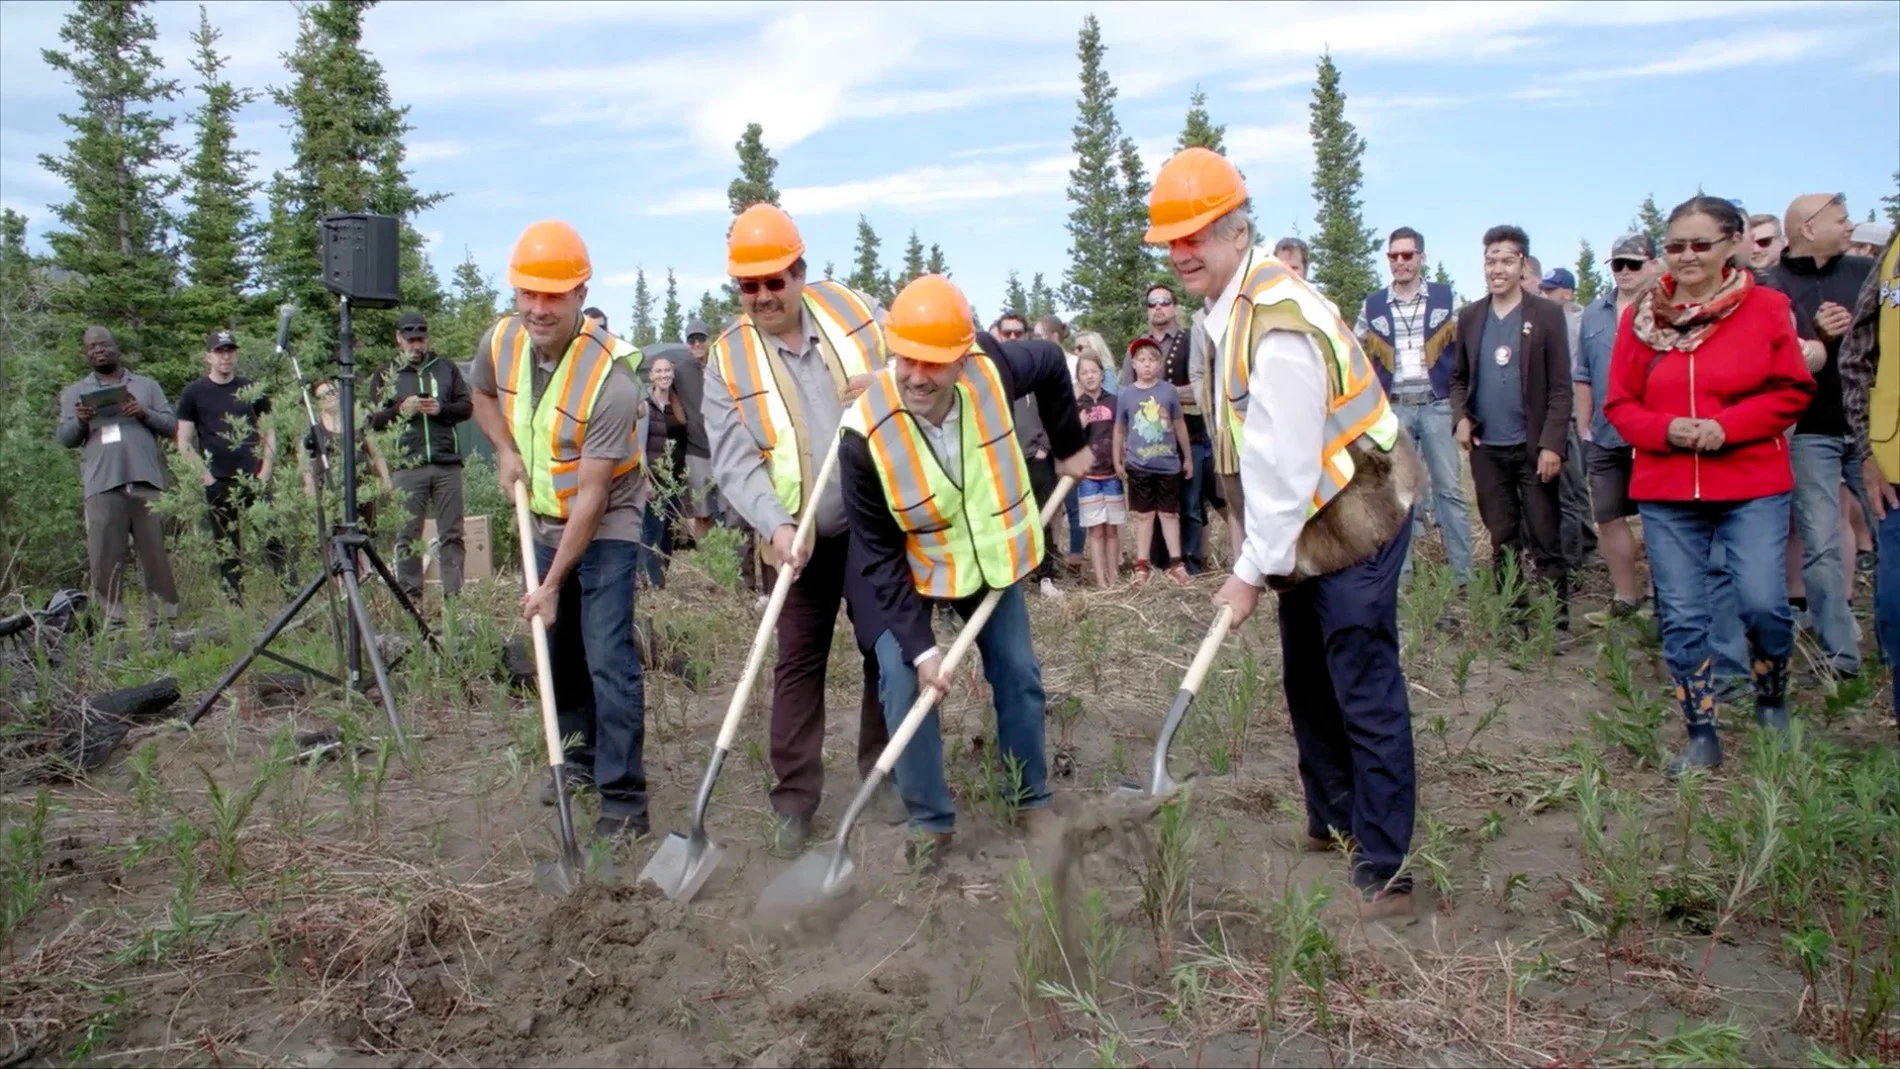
(432, 399)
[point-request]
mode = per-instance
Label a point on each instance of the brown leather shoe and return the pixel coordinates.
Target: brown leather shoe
(924, 851)
(1313, 844)
(1394, 904)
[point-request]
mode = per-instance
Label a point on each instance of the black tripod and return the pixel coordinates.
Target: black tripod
(345, 542)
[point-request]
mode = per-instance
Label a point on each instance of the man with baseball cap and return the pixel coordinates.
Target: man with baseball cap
(432, 399)
(224, 413)
(689, 381)
(1869, 239)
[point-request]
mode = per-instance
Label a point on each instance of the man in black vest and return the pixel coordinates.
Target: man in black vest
(432, 399)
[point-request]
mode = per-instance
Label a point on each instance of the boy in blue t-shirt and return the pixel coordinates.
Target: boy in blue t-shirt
(1152, 456)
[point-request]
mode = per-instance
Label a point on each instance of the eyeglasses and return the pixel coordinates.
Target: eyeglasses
(1401, 257)
(1161, 302)
(750, 286)
(1699, 246)
(1626, 265)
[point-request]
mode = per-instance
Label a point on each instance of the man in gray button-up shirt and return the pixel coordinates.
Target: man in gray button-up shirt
(782, 324)
(123, 473)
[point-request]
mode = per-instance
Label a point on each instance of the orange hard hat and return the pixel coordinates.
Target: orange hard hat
(930, 321)
(763, 241)
(550, 257)
(1192, 190)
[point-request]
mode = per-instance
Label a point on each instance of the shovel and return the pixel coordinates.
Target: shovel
(822, 877)
(1160, 783)
(683, 862)
(562, 876)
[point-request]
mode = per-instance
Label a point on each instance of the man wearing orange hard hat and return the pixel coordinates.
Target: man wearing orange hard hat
(556, 395)
(777, 381)
(1324, 483)
(941, 511)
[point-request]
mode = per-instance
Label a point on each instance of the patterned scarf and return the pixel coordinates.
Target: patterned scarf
(1662, 324)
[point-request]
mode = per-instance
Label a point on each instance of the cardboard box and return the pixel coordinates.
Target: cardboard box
(478, 563)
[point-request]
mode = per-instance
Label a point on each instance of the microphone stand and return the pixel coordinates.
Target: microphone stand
(346, 541)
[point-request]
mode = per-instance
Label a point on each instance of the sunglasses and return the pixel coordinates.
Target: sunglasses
(1762, 243)
(1401, 257)
(1163, 302)
(1677, 248)
(1626, 265)
(1010, 335)
(750, 286)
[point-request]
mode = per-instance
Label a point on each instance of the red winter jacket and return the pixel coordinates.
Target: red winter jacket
(1748, 376)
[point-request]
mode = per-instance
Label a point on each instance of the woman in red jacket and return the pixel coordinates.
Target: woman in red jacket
(1705, 379)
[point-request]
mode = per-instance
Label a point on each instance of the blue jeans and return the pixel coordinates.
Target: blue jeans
(1887, 594)
(1729, 638)
(1430, 428)
(1016, 688)
(1821, 462)
(1681, 538)
(599, 691)
(1073, 506)
(1193, 514)
(656, 544)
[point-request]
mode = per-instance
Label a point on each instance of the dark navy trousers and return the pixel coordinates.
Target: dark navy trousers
(1339, 641)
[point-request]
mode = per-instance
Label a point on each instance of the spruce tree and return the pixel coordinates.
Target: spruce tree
(1892, 201)
(471, 307)
(756, 168)
(218, 233)
(1344, 262)
(643, 331)
(1589, 279)
(671, 329)
(347, 136)
(866, 276)
(714, 312)
(1014, 299)
(114, 234)
(1107, 261)
(1200, 130)
(935, 264)
(830, 270)
(1440, 275)
(913, 261)
(1042, 299)
(1649, 220)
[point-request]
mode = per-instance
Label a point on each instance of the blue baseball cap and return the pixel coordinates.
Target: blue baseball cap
(1558, 278)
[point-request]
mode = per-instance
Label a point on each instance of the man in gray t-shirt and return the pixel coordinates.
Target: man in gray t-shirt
(586, 554)
(118, 418)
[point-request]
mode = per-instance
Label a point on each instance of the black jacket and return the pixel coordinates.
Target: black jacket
(427, 439)
(878, 585)
(1545, 350)
(1808, 285)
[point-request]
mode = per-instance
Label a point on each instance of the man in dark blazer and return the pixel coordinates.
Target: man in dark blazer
(1510, 394)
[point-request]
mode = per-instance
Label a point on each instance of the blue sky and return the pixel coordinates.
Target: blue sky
(955, 119)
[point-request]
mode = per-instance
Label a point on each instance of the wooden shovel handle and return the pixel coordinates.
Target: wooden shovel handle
(543, 663)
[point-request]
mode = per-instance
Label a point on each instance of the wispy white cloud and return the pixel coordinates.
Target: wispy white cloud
(423, 151)
(931, 186)
(1701, 57)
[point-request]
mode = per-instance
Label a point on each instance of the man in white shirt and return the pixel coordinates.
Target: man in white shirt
(1327, 481)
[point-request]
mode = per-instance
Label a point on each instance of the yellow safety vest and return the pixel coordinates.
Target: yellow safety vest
(760, 384)
(1274, 298)
(549, 434)
(1883, 403)
(961, 536)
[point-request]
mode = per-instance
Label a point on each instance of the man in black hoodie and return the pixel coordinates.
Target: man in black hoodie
(1823, 284)
(431, 396)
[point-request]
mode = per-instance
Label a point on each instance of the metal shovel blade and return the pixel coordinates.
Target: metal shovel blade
(682, 864)
(556, 877)
(810, 894)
